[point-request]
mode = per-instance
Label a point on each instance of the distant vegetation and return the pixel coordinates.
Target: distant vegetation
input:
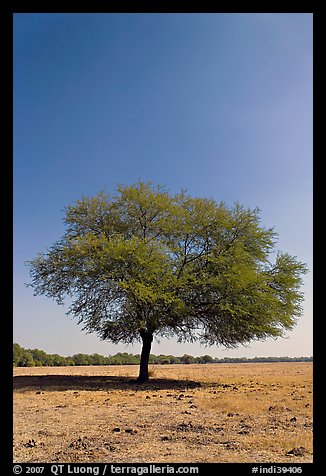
(144, 263)
(38, 358)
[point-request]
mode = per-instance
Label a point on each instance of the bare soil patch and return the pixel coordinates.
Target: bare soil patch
(185, 413)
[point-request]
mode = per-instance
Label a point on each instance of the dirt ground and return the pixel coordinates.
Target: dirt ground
(184, 414)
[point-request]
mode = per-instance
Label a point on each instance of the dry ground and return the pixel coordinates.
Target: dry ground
(186, 413)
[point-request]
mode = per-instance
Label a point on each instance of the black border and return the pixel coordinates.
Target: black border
(6, 87)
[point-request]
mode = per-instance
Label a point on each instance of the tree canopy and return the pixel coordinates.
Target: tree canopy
(144, 262)
(36, 357)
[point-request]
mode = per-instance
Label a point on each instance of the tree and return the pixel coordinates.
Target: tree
(17, 354)
(163, 359)
(81, 359)
(40, 357)
(204, 359)
(26, 359)
(58, 360)
(70, 361)
(144, 262)
(97, 359)
(187, 359)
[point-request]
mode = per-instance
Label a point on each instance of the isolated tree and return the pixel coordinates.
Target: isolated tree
(145, 263)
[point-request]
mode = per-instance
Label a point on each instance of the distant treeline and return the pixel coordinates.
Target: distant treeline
(38, 358)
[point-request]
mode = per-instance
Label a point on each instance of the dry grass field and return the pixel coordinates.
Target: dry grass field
(186, 413)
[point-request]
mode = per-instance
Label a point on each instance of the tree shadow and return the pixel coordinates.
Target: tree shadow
(85, 382)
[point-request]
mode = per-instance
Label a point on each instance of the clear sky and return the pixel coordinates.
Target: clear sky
(219, 104)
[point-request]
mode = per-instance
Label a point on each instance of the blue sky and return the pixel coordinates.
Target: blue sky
(220, 104)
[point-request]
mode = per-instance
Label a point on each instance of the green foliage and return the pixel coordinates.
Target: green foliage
(22, 357)
(82, 359)
(187, 359)
(204, 359)
(40, 357)
(17, 354)
(35, 357)
(146, 261)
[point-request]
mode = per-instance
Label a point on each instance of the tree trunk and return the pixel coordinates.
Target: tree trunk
(147, 339)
